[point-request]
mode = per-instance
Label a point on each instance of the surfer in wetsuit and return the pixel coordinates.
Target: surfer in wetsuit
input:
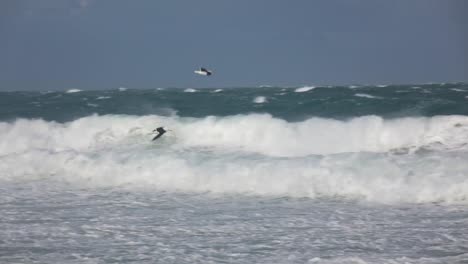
(160, 131)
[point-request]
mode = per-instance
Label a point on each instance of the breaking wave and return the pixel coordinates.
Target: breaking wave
(370, 158)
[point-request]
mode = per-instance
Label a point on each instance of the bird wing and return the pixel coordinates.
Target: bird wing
(157, 136)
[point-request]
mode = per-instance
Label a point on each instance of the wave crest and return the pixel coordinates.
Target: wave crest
(255, 154)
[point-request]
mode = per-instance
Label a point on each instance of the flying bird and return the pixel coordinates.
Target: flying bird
(203, 71)
(160, 131)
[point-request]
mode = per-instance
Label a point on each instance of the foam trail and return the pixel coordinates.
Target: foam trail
(376, 178)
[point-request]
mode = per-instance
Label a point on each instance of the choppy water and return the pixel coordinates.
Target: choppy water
(288, 103)
(359, 174)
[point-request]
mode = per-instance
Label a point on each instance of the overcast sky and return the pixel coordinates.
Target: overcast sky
(102, 44)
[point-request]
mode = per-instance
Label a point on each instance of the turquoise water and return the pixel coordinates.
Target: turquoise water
(337, 102)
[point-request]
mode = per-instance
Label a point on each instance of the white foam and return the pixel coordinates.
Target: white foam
(217, 90)
(260, 100)
(73, 91)
(103, 97)
(457, 90)
(276, 137)
(341, 260)
(122, 89)
(190, 90)
(259, 133)
(304, 89)
(367, 96)
(116, 151)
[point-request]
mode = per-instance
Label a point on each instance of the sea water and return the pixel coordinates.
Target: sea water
(339, 174)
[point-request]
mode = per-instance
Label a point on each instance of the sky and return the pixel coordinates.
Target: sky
(104, 44)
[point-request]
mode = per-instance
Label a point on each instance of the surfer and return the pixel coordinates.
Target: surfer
(160, 131)
(203, 71)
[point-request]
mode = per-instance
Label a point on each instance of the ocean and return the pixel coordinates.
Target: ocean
(313, 174)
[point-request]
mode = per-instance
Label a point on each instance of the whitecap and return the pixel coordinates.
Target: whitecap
(457, 90)
(367, 96)
(304, 89)
(260, 100)
(73, 91)
(190, 90)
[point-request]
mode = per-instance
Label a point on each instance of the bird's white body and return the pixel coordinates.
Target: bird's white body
(201, 72)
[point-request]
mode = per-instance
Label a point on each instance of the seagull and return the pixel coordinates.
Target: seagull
(203, 71)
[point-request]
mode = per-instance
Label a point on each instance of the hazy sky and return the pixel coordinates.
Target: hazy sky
(101, 44)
